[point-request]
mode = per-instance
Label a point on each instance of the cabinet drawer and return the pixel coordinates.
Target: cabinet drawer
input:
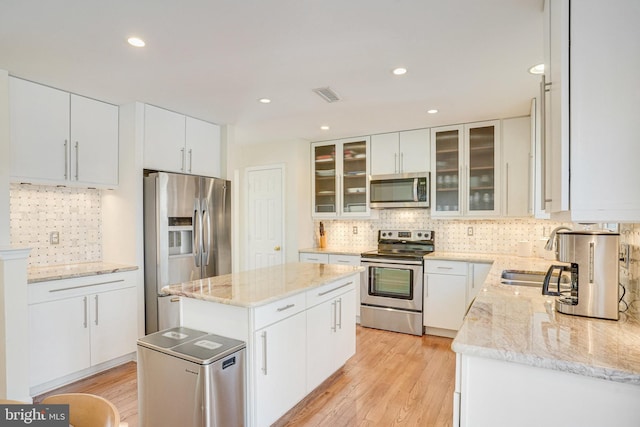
(344, 259)
(278, 310)
(67, 288)
(445, 267)
(328, 291)
(315, 258)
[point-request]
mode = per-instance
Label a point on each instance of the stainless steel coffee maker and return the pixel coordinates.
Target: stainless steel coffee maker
(593, 265)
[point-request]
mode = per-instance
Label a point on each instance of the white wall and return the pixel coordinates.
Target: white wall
(295, 156)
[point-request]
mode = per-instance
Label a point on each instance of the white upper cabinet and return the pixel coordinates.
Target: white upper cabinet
(61, 138)
(94, 129)
(517, 163)
(466, 164)
(400, 152)
(340, 178)
(177, 143)
(591, 149)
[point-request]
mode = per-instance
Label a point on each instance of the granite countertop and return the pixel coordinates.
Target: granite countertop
(339, 250)
(519, 324)
(69, 271)
(264, 285)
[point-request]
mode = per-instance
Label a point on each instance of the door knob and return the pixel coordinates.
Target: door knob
(277, 248)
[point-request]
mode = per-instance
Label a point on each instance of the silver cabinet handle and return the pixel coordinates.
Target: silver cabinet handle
(396, 163)
(445, 268)
(85, 312)
(286, 307)
(77, 162)
(66, 159)
(264, 352)
(334, 289)
(507, 188)
(183, 160)
(175, 299)
(339, 313)
(544, 88)
(97, 305)
(335, 323)
(86, 286)
(190, 159)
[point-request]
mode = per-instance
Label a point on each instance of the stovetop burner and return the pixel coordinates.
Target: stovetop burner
(405, 244)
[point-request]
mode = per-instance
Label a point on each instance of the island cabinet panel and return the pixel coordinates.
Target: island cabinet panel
(279, 367)
(503, 394)
(330, 331)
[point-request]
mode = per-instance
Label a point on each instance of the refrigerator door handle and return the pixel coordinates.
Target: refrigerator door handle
(206, 220)
(196, 235)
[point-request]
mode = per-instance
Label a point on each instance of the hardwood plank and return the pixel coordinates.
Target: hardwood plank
(392, 380)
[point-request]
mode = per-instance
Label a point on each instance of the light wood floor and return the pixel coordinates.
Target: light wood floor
(393, 380)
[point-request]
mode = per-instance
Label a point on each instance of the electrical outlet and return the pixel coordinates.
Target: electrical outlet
(469, 231)
(54, 237)
(355, 229)
(624, 255)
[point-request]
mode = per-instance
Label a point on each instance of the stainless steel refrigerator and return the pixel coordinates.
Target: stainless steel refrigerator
(187, 236)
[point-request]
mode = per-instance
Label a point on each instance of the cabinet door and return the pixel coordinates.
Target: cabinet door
(321, 331)
(114, 324)
(354, 177)
(59, 339)
(164, 140)
(482, 174)
(446, 165)
(39, 121)
(517, 162)
(202, 148)
(345, 340)
(415, 149)
(280, 368)
(478, 273)
(324, 181)
(385, 158)
(444, 301)
(314, 258)
(94, 142)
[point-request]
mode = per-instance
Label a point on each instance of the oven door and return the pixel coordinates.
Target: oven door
(392, 283)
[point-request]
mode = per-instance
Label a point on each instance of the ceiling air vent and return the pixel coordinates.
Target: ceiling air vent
(327, 94)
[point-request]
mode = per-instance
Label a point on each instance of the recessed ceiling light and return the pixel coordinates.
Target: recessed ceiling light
(432, 111)
(537, 69)
(264, 100)
(135, 41)
(399, 71)
(324, 127)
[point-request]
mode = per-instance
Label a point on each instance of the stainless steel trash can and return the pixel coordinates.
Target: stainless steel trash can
(189, 378)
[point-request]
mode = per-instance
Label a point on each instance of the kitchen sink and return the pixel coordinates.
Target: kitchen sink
(528, 278)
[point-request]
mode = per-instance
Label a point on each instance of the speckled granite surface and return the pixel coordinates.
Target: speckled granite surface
(519, 324)
(69, 271)
(262, 286)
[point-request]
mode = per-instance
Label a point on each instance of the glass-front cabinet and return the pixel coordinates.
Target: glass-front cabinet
(340, 180)
(466, 161)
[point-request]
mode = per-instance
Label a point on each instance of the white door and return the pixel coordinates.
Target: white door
(265, 216)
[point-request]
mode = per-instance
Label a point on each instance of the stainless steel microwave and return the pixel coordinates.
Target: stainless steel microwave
(407, 190)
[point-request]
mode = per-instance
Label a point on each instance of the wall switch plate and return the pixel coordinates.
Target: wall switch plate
(625, 253)
(469, 231)
(355, 229)
(54, 237)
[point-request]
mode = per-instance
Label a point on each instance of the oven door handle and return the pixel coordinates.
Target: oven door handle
(381, 262)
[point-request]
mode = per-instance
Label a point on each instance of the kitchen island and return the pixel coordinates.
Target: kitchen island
(297, 319)
(519, 362)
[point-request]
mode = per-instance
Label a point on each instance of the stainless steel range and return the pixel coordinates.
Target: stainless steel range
(391, 293)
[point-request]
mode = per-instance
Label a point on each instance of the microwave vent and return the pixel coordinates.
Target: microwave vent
(327, 94)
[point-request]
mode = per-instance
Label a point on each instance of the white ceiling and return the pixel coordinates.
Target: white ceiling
(213, 59)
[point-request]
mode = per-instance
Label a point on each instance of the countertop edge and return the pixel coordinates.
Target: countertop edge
(67, 272)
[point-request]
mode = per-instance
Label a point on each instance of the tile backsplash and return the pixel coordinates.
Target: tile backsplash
(75, 213)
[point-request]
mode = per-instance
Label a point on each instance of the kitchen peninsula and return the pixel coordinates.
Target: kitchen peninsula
(297, 319)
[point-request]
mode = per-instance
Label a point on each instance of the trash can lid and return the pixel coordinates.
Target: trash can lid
(171, 337)
(208, 349)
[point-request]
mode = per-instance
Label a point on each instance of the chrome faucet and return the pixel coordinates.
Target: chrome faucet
(552, 237)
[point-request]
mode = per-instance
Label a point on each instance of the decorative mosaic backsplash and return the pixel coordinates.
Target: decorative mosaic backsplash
(630, 278)
(75, 213)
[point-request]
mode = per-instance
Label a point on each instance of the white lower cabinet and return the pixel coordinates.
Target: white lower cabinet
(445, 296)
(75, 324)
(331, 326)
(280, 367)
